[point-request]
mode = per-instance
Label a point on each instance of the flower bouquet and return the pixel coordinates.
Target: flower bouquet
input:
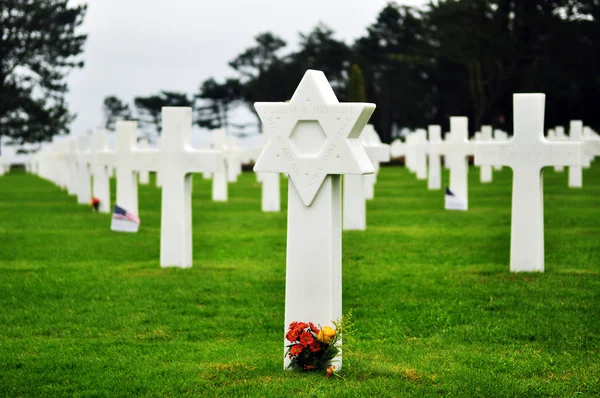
(312, 348)
(95, 204)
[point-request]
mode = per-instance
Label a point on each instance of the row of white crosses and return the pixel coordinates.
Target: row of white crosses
(591, 148)
(175, 160)
(527, 153)
(78, 163)
(10, 156)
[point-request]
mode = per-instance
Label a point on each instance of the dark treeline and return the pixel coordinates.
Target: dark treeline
(420, 67)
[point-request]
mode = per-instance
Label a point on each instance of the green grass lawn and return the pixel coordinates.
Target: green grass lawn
(88, 312)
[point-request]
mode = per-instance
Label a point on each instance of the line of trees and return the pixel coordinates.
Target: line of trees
(39, 45)
(420, 66)
(455, 57)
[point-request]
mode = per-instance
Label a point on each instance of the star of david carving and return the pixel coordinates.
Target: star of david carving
(313, 135)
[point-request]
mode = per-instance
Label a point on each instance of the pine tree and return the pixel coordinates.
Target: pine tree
(356, 92)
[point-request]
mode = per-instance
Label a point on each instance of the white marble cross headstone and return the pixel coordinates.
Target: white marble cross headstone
(144, 176)
(499, 136)
(421, 146)
(270, 193)
(527, 153)
(456, 150)
(128, 161)
(575, 171)
(314, 139)
(233, 156)
(485, 172)
(557, 134)
(71, 164)
(399, 149)
(378, 153)
(591, 143)
(102, 161)
(157, 174)
(410, 156)
(355, 192)
(177, 161)
(219, 179)
(83, 159)
(434, 180)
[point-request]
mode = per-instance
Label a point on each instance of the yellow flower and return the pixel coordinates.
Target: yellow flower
(326, 334)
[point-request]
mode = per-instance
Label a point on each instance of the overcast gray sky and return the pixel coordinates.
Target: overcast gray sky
(138, 47)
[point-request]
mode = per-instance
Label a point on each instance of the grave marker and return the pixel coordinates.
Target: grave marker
(177, 161)
(485, 172)
(378, 153)
(527, 153)
(575, 171)
(102, 160)
(219, 179)
(591, 143)
(314, 139)
(82, 160)
(421, 147)
(144, 175)
(434, 180)
(456, 150)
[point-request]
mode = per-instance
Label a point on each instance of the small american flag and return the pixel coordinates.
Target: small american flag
(122, 214)
(124, 221)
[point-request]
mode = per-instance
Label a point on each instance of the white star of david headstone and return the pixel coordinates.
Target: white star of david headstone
(314, 139)
(313, 136)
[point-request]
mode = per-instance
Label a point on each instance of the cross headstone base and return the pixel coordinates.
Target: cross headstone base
(219, 187)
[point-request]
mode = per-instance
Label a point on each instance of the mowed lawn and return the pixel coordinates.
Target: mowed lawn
(88, 312)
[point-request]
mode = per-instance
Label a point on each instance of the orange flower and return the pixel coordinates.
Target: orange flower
(306, 339)
(291, 335)
(299, 326)
(315, 347)
(330, 370)
(295, 350)
(314, 328)
(309, 367)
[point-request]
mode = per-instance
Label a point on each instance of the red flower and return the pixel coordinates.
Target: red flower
(306, 339)
(295, 350)
(291, 335)
(300, 326)
(314, 328)
(315, 347)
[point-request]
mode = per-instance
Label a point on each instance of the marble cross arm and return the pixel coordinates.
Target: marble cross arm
(591, 147)
(105, 158)
(492, 153)
(451, 148)
(378, 153)
(250, 154)
(85, 157)
(398, 148)
(512, 154)
(146, 160)
(204, 161)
